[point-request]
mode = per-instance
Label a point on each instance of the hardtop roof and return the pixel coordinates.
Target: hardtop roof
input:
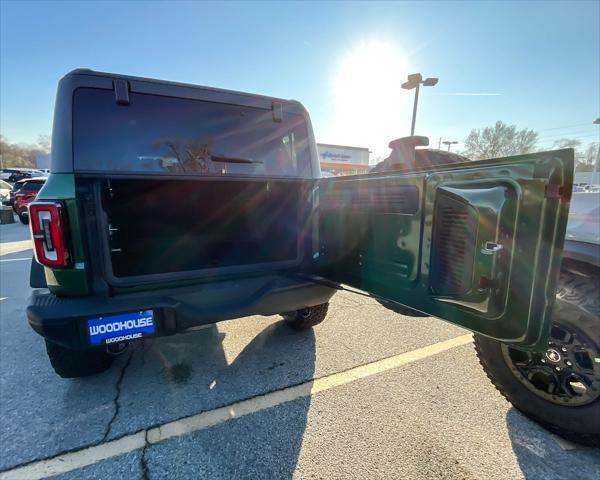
(87, 71)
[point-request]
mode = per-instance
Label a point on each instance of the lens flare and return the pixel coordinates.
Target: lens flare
(370, 107)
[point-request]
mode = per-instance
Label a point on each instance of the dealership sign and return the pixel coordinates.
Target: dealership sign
(343, 156)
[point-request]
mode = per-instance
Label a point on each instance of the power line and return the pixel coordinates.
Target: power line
(571, 136)
(566, 126)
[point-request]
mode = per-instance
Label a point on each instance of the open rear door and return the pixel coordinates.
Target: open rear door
(477, 244)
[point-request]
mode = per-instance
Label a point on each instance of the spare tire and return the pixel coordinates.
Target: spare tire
(306, 318)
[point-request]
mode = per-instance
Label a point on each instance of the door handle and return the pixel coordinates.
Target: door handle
(491, 248)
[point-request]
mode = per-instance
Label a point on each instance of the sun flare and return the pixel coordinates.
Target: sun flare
(369, 103)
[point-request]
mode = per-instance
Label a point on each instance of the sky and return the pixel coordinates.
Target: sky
(536, 65)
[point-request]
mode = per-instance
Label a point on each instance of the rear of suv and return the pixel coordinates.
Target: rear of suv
(170, 206)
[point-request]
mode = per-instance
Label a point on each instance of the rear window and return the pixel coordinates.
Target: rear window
(167, 135)
(31, 187)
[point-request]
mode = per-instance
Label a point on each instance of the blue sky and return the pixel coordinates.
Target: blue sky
(344, 61)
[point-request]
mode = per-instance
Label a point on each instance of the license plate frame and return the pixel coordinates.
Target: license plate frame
(122, 327)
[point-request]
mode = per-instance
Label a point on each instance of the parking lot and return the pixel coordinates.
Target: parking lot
(367, 394)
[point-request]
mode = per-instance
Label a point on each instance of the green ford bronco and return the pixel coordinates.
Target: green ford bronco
(171, 206)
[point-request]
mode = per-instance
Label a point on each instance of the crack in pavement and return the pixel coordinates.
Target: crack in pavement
(143, 461)
(117, 395)
(74, 459)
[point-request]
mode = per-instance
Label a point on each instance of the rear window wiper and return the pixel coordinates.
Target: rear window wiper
(218, 158)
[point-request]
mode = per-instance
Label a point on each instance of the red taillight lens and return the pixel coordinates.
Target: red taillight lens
(47, 221)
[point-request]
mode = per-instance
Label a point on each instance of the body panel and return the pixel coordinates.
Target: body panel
(67, 282)
(505, 293)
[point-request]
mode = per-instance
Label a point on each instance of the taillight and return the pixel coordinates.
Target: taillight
(47, 221)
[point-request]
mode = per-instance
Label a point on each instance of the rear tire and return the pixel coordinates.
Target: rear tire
(307, 317)
(532, 383)
(69, 363)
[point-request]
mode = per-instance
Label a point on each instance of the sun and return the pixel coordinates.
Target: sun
(369, 102)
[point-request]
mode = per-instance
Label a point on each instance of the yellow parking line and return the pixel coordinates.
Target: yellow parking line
(88, 456)
(14, 247)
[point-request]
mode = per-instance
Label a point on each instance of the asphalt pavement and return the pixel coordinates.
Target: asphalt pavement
(367, 394)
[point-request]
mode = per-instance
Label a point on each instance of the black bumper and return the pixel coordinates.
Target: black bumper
(63, 320)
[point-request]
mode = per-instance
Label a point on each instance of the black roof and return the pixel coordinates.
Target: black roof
(112, 76)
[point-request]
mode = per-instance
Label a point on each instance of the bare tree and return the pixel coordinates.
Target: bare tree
(590, 154)
(573, 143)
(22, 155)
(43, 143)
(584, 157)
(500, 140)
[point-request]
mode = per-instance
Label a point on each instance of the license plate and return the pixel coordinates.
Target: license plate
(121, 328)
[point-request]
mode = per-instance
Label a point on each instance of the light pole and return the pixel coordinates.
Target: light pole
(597, 164)
(415, 81)
(446, 142)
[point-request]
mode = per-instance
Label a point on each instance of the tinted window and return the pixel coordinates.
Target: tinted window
(31, 187)
(156, 134)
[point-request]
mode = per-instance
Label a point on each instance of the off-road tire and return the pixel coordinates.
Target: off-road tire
(69, 363)
(577, 307)
(307, 317)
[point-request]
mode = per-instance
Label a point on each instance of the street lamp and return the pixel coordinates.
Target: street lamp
(415, 80)
(449, 143)
(597, 164)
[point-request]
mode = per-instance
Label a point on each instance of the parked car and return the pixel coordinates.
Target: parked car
(5, 189)
(13, 175)
(11, 194)
(406, 156)
(13, 191)
(27, 192)
(197, 205)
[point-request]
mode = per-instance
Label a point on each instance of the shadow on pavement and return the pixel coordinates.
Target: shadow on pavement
(540, 455)
(169, 378)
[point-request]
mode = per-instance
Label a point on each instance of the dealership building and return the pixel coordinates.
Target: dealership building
(343, 160)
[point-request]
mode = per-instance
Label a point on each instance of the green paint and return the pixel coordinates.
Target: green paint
(66, 282)
(391, 254)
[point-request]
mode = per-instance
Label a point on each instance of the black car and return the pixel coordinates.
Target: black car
(13, 175)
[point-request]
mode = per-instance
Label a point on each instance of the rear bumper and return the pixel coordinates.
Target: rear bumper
(64, 320)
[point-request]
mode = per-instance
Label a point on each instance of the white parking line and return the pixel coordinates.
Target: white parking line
(15, 259)
(14, 247)
(90, 455)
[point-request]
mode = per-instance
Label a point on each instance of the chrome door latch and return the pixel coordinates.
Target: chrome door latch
(491, 248)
